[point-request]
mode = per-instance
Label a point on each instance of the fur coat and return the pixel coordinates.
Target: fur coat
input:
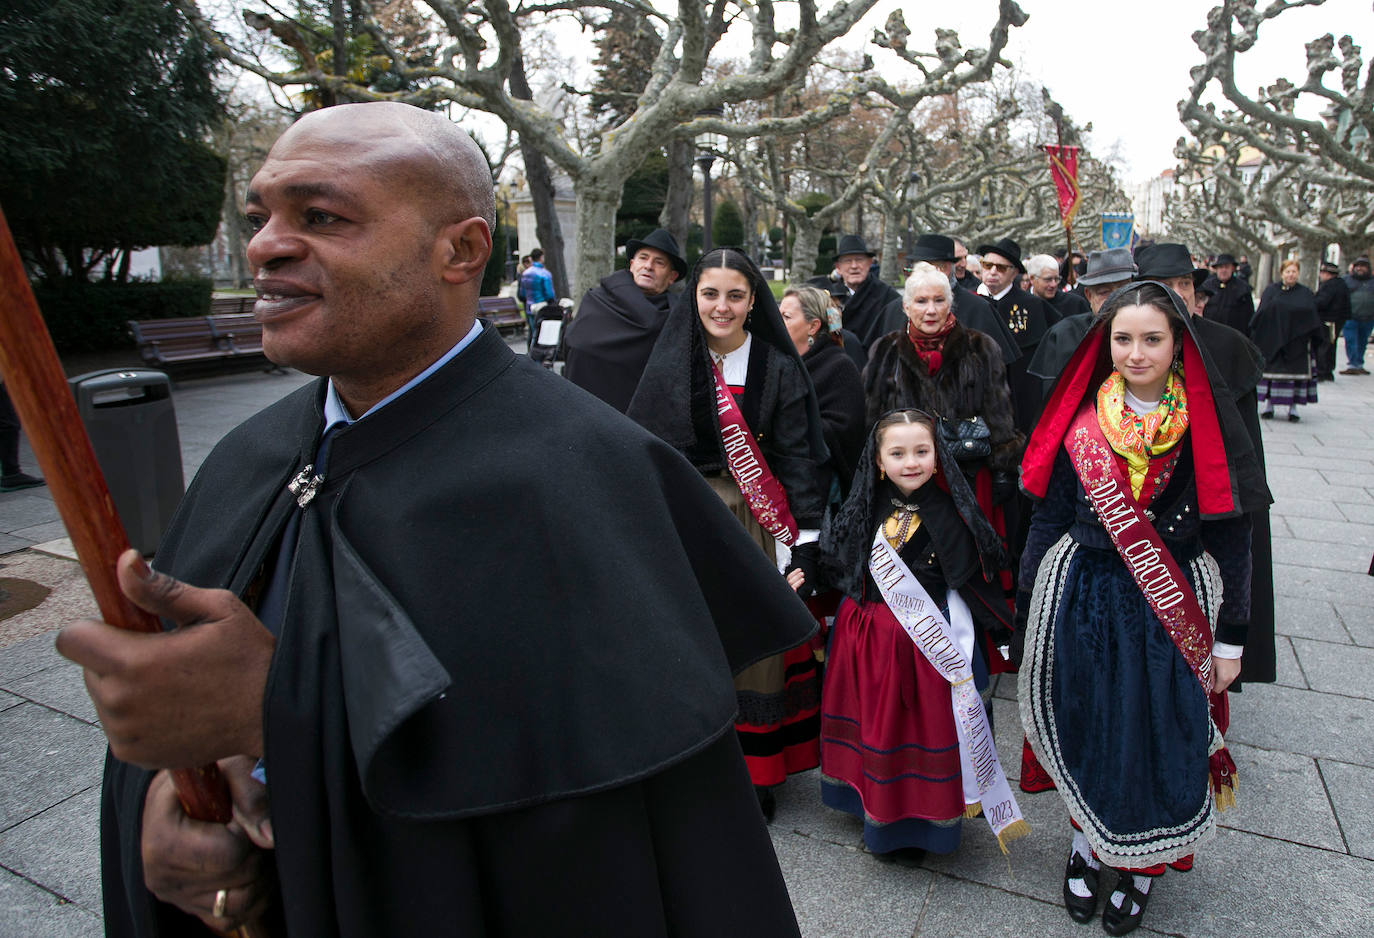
(971, 382)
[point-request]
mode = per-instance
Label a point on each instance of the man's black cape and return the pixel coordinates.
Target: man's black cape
(1230, 303)
(1070, 303)
(975, 311)
(501, 698)
(610, 338)
(873, 310)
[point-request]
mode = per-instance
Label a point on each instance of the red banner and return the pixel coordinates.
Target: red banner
(1064, 170)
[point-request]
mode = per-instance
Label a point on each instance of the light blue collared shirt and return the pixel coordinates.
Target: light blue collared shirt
(335, 412)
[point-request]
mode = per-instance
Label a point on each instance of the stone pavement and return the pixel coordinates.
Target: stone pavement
(1295, 857)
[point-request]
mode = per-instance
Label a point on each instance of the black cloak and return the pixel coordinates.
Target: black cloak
(500, 700)
(610, 338)
(1230, 303)
(975, 311)
(1029, 318)
(1070, 303)
(840, 394)
(873, 310)
(1286, 328)
(1056, 348)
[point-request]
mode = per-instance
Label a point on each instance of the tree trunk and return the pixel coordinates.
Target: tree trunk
(677, 202)
(806, 244)
(1309, 258)
(597, 203)
(892, 233)
(547, 228)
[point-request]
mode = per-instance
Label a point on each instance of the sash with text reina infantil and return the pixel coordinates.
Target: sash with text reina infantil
(1154, 570)
(949, 649)
(761, 489)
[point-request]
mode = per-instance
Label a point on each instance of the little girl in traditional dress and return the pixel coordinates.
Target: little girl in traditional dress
(906, 742)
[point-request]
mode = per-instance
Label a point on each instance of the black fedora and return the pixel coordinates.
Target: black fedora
(852, 244)
(1164, 260)
(659, 240)
(932, 247)
(1006, 248)
(1224, 259)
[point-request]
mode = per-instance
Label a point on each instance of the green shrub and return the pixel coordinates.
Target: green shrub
(93, 317)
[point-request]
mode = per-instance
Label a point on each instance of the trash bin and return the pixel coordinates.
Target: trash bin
(129, 417)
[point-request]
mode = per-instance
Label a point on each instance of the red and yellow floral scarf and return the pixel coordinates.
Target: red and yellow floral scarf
(1137, 437)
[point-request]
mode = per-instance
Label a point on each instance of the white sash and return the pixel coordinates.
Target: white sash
(949, 649)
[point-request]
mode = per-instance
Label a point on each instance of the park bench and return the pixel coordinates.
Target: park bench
(503, 312)
(229, 335)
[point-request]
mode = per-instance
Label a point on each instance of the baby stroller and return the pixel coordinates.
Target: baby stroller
(546, 341)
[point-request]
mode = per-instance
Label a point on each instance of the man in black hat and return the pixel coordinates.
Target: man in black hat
(1105, 272)
(873, 309)
(1026, 315)
(1231, 302)
(971, 310)
(618, 322)
(1333, 306)
(1239, 366)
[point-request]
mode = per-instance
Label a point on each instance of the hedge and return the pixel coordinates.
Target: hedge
(93, 317)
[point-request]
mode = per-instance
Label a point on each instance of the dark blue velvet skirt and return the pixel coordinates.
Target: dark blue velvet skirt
(1113, 710)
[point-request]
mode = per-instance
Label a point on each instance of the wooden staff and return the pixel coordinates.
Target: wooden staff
(42, 398)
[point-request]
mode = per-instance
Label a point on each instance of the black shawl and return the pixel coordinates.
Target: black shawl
(1286, 328)
(610, 338)
(956, 523)
(840, 394)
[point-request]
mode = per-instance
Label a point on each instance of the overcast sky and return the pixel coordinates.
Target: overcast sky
(1124, 67)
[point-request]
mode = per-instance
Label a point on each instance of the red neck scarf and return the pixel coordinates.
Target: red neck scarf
(930, 347)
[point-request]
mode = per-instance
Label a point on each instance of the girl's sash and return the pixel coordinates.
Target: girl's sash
(949, 649)
(761, 489)
(1154, 570)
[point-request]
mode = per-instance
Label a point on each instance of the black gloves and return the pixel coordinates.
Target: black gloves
(807, 559)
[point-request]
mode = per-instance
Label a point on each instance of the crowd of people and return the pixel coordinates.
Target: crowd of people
(1064, 478)
(511, 659)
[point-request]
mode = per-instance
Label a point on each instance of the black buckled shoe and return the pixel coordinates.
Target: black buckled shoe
(1081, 908)
(1120, 921)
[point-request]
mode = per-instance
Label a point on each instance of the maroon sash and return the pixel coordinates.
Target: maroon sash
(1152, 567)
(761, 489)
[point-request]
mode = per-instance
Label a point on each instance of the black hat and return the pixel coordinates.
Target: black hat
(659, 240)
(932, 247)
(1164, 260)
(1200, 276)
(1329, 268)
(1108, 266)
(853, 244)
(1224, 259)
(1362, 259)
(1006, 248)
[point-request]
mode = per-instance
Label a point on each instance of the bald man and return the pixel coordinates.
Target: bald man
(458, 686)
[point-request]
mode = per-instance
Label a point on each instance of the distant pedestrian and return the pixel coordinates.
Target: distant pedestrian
(1288, 333)
(1361, 322)
(536, 286)
(1231, 302)
(1333, 306)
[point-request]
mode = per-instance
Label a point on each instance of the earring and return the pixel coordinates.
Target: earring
(810, 341)
(882, 473)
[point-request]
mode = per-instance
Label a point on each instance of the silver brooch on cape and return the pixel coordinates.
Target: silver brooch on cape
(304, 485)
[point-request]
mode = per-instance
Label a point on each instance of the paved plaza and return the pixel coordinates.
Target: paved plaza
(1296, 857)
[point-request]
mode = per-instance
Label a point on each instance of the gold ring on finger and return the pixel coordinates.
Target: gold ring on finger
(221, 903)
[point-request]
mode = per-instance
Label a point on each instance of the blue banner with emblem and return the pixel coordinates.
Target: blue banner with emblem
(1118, 230)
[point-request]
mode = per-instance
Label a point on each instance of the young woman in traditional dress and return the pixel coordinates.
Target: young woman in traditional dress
(725, 386)
(1135, 590)
(906, 745)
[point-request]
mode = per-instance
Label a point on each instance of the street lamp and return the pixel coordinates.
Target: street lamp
(707, 145)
